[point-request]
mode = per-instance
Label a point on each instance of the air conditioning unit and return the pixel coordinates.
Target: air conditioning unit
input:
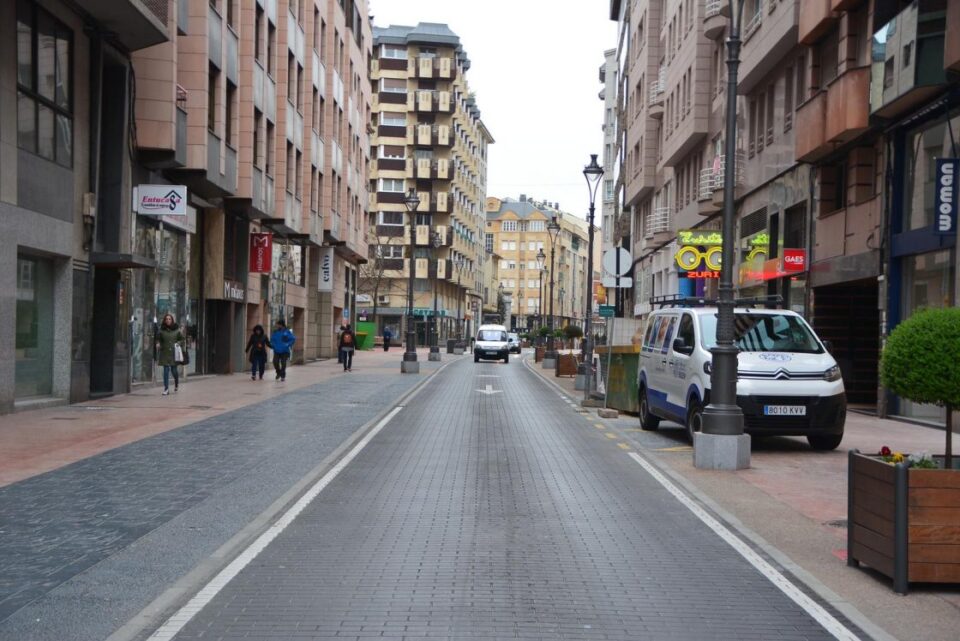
(383, 300)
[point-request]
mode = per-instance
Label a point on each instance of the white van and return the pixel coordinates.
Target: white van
(491, 344)
(787, 382)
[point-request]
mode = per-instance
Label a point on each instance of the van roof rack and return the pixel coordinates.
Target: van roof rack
(676, 300)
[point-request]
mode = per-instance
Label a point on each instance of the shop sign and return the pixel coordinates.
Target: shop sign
(945, 197)
(159, 200)
(699, 237)
(232, 290)
(325, 277)
(261, 253)
(690, 258)
(698, 275)
(794, 260)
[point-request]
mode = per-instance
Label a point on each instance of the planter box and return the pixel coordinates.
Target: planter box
(903, 522)
(567, 365)
(538, 354)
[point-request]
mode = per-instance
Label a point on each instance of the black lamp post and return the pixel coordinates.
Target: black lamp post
(409, 365)
(723, 417)
(435, 241)
(541, 257)
(553, 228)
(592, 172)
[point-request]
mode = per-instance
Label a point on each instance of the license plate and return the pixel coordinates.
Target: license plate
(785, 410)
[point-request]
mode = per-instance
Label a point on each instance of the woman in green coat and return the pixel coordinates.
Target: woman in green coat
(168, 337)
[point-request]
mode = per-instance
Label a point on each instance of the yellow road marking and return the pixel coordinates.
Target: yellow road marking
(610, 435)
(678, 448)
(623, 446)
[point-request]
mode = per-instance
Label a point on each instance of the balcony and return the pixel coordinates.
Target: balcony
(719, 176)
(319, 75)
(656, 99)
(427, 169)
(753, 22)
(774, 39)
(810, 134)
(714, 23)
(131, 21)
(430, 102)
(432, 67)
(847, 112)
(908, 54)
(431, 135)
(232, 64)
(658, 222)
(316, 150)
(706, 206)
(214, 38)
(816, 19)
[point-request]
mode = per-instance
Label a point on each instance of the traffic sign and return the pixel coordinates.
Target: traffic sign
(617, 261)
(607, 311)
(615, 282)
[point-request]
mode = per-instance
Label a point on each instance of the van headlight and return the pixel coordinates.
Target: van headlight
(832, 374)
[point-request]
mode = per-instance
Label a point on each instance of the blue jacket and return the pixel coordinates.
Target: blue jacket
(282, 340)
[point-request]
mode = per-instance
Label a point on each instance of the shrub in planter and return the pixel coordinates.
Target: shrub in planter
(903, 508)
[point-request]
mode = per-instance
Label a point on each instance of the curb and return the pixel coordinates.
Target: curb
(145, 622)
(804, 578)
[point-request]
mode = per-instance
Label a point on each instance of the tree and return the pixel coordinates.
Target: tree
(373, 279)
(921, 362)
(501, 307)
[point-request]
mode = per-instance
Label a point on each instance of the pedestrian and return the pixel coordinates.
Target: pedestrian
(348, 342)
(387, 335)
(339, 351)
(170, 347)
(257, 346)
(281, 341)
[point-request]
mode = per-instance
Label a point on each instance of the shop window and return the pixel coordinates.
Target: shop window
(33, 374)
(44, 84)
(924, 146)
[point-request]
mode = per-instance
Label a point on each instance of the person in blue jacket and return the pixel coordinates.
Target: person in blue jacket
(281, 341)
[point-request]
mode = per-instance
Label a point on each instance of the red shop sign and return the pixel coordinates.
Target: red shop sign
(261, 253)
(794, 260)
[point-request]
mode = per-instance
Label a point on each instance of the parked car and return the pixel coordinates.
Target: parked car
(788, 383)
(491, 344)
(514, 341)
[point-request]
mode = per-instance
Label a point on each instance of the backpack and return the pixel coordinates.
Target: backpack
(347, 338)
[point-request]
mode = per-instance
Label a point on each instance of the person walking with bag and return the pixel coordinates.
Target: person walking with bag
(347, 345)
(387, 336)
(170, 351)
(257, 347)
(281, 341)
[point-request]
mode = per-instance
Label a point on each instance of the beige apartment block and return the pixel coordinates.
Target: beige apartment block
(261, 109)
(427, 137)
(517, 231)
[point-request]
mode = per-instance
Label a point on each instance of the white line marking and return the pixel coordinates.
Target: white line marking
(811, 607)
(175, 623)
(489, 390)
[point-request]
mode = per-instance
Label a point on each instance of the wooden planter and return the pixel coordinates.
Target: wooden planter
(903, 522)
(567, 365)
(538, 354)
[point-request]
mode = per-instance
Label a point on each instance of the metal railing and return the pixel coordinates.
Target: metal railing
(707, 182)
(711, 8)
(754, 23)
(658, 221)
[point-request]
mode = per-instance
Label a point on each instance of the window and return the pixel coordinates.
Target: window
(271, 49)
(212, 99)
(271, 141)
(771, 96)
(538, 225)
(508, 225)
(393, 152)
(229, 128)
(394, 218)
(393, 85)
(685, 331)
(257, 138)
(532, 284)
(503, 265)
(390, 185)
(788, 99)
(291, 180)
(44, 85)
(258, 36)
(393, 51)
(513, 245)
(801, 81)
(390, 251)
(488, 243)
(393, 119)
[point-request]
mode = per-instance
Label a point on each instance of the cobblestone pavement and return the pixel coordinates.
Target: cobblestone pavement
(85, 547)
(498, 512)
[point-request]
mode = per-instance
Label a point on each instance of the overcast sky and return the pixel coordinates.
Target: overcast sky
(535, 69)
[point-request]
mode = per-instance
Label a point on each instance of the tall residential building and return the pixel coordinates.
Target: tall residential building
(68, 259)
(517, 231)
(427, 137)
(842, 108)
(615, 226)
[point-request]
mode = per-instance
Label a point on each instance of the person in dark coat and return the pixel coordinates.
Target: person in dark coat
(282, 342)
(168, 338)
(339, 334)
(257, 347)
(387, 336)
(346, 347)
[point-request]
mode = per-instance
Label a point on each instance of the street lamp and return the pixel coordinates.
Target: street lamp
(459, 262)
(541, 257)
(562, 292)
(721, 444)
(592, 172)
(553, 229)
(409, 365)
(435, 242)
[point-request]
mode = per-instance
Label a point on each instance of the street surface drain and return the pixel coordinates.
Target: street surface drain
(838, 523)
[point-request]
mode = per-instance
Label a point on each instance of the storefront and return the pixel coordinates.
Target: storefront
(923, 270)
(34, 338)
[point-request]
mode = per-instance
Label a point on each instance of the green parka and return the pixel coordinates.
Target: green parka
(166, 339)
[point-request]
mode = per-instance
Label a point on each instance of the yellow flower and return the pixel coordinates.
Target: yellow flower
(897, 457)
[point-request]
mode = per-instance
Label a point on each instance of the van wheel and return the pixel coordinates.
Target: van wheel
(694, 419)
(825, 442)
(648, 422)
(476, 359)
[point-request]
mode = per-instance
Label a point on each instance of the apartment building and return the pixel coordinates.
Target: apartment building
(65, 178)
(428, 137)
(836, 126)
(270, 99)
(518, 231)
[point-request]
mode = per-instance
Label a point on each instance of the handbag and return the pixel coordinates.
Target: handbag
(180, 355)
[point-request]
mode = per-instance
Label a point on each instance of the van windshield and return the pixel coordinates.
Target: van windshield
(765, 333)
(492, 335)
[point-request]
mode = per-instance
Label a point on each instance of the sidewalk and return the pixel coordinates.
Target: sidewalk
(796, 500)
(38, 441)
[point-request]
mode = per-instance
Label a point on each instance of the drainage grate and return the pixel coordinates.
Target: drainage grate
(837, 523)
(63, 418)
(200, 407)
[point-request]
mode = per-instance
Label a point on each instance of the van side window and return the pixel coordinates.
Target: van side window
(667, 336)
(655, 334)
(685, 331)
(647, 335)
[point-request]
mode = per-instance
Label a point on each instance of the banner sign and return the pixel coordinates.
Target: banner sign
(945, 197)
(261, 253)
(325, 277)
(156, 200)
(794, 260)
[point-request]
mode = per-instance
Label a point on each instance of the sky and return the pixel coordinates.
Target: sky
(535, 68)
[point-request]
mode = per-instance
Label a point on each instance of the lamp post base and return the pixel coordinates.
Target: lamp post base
(409, 367)
(721, 451)
(434, 353)
(548, 361)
